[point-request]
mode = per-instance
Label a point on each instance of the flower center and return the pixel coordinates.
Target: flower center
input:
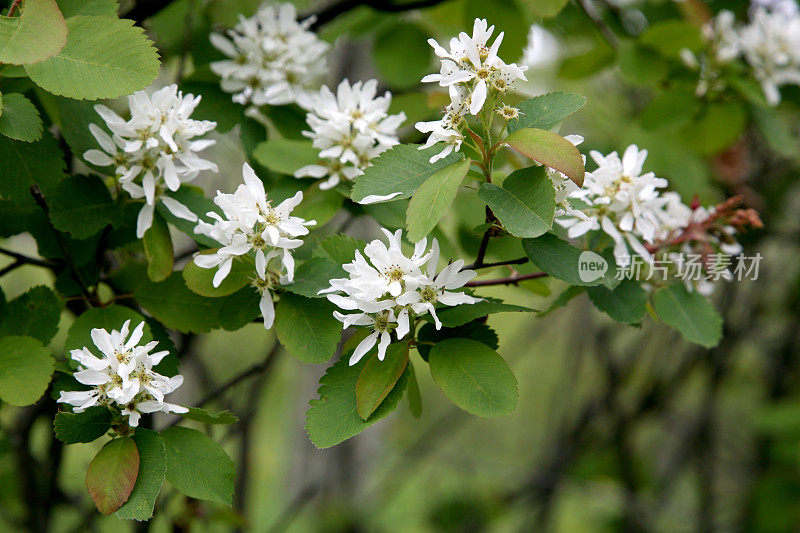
(428, 294)
(394, 273)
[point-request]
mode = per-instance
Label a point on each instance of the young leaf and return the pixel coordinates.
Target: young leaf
(105, 57)
(690, 313)
(549, 149)
(285, 156)
(474, 377)
(626, 303)
(19, 118)
(307, 328)
(197, 466)
(158, 249)
(315, 275)
(25, 164)
(26, 367)
(452, 317)
(333, 417)
(432, 199)
(378, 378)
(545, 112)
(86, 426)
(152, 470)
(401, 169)
(112, 474)
(39, 33)
(200, 280)
(174, 305)
(201, 415)
(81, 206)
(34, 313)
(525, 204)
(557, 258)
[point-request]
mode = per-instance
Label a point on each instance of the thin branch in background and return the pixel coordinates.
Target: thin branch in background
(188, 23)
(591, 11)
(335, 9)
(510, 280)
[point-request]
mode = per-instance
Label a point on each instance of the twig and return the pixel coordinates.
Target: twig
(518, 261)
(252, 371)
(510, 280)
(591, 11)
(332, 11)
(13, 7)
(27, 259)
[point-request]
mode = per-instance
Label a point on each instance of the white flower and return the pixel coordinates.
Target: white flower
(154, 152)
(474, 75)
(350, 128)
(274, 59)
(623, 202)
(387, 286)
(542, 49)
(251, 225)
(771, 45)
(123, 376)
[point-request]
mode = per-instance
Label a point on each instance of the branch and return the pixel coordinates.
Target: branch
(518, 261)
(332, 11)
(27, 260)
(510, 280)
(252, 371)
(591, 11)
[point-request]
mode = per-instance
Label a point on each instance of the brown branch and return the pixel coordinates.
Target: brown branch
(591, 11)
(518, 261)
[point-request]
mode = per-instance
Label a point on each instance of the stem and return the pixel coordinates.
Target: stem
(518, 261)
(13, 7)
(510, 280)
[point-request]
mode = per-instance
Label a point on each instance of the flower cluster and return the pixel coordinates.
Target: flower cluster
(273, 58)
(154, 152)
(474, 76)
(349, 128)
(770, 44)
(390, 290)
(123, 376)
(252, 224)
(625, 203)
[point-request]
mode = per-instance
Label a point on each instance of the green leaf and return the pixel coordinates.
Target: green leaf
(19, 118)
(26, 367)
(86, 426)
(414, 396)
(452, 317)
(319, 205)
(672, 107)
(474, 377)
(239, 309)
(402, 54)
(545, 112)
(82, 206)
(197, 466)
(777, 131)
(108, 318)
(719, 126)
(669, 37)
(556, 258)
(39, 33)
(587, 64)
(71, 8)
(200, 280)
(401, 169)
(307, 328)
(563, 299)
(194, 198)
(549, 149)
(626, 303)
(690, 313)
(158, 249)
(315, 275)
(112, 474)
(432, 199)
(74, 117)
(174, 305)
(25, 164)
(339, 248)
(152, 470)
(333, 417)
(216, 105)
(525, 204)
(35, 313)
(544, 8)
(640, 65)
(475, 330)
(284, 156)
(201, 415)
(378, 378)
(505, 15)
(113, 53)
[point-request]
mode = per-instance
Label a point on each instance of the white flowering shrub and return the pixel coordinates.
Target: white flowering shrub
(368, 230)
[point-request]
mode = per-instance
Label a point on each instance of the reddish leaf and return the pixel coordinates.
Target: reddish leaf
(112, 474)
(549, 149)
